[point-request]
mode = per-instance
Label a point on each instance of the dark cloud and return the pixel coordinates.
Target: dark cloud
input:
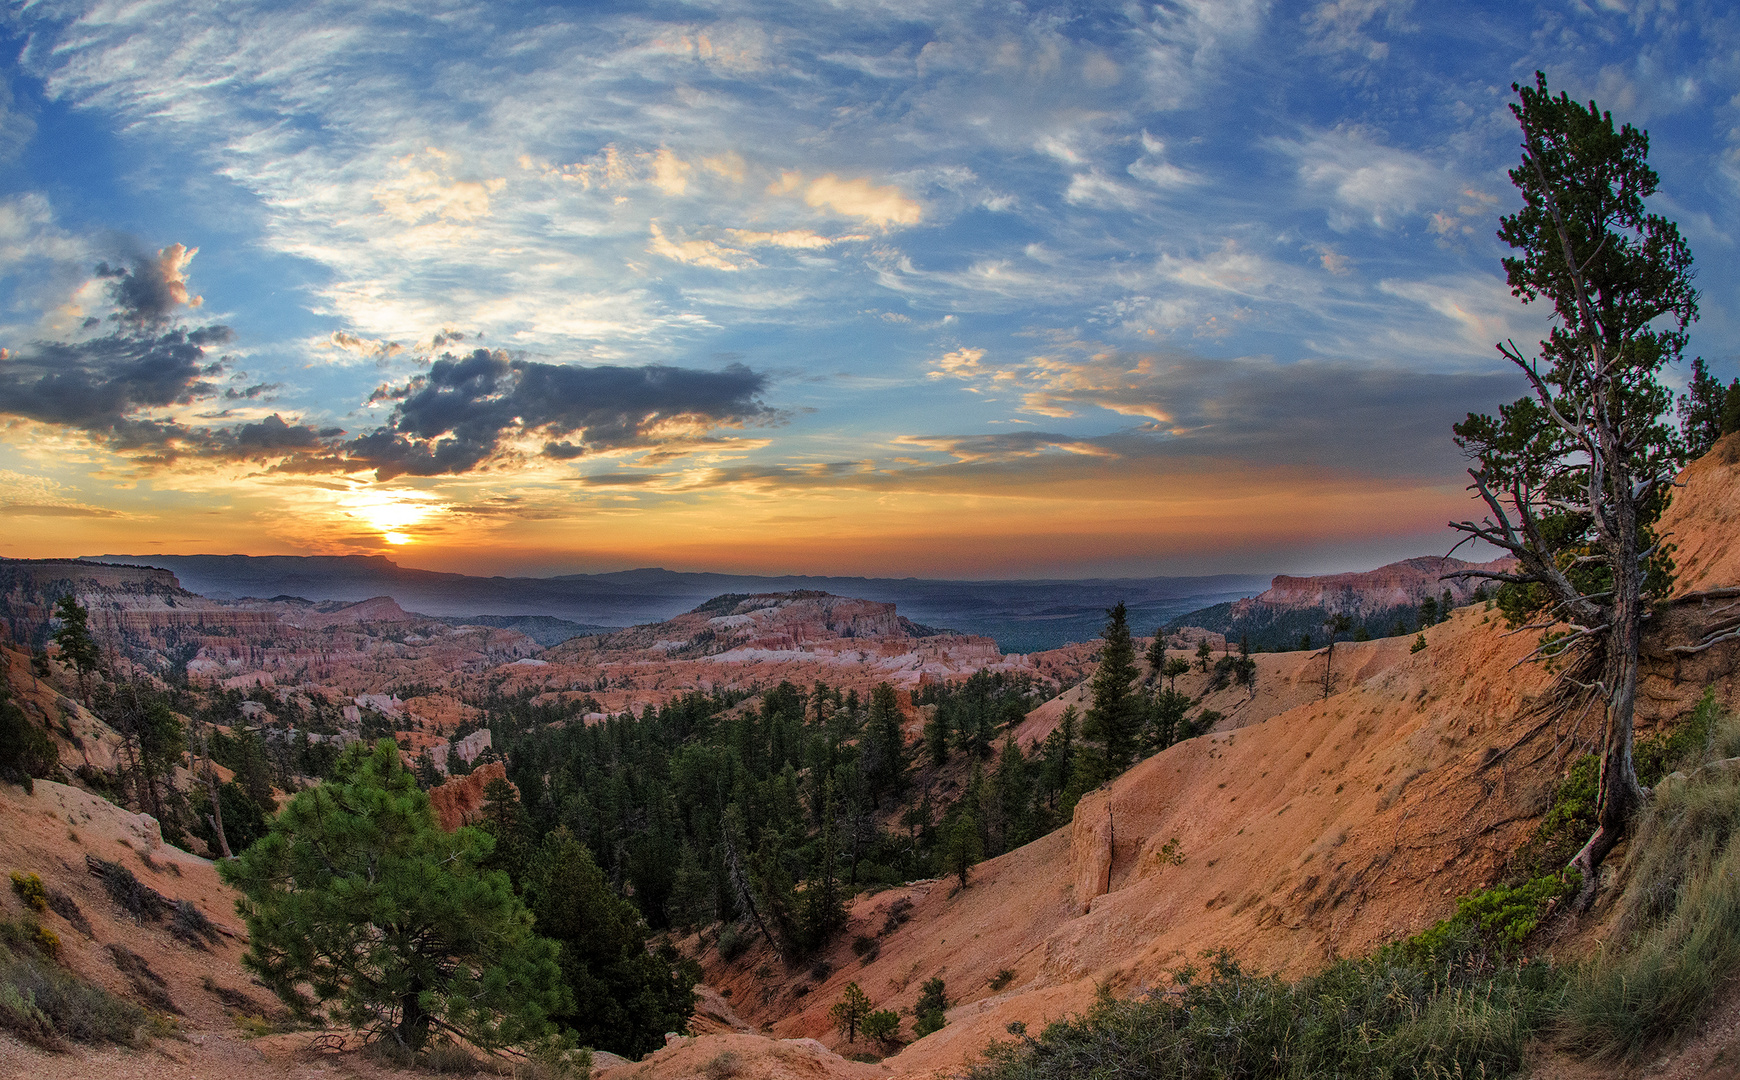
(1385, 421)
(100, 384)
(273, 435)
(253, 391)
(154, 289)
(454, 419)
(1192, 417)
(619, 480)
(460, 414)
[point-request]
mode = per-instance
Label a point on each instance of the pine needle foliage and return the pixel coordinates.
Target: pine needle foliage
(357, 894)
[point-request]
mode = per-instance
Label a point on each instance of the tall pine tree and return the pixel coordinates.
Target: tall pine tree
(1115, 717)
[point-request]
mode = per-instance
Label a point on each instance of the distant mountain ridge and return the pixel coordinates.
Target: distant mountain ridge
(1023, 616)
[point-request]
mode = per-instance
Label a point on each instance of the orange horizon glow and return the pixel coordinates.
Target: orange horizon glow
(1217, 517)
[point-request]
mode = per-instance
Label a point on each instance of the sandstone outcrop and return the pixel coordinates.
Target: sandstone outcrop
(460, 801)
(1401, 584)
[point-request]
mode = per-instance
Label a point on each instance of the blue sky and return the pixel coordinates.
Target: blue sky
(942, 289)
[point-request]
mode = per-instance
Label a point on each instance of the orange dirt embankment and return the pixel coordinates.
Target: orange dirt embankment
(50, 832)
(1703, 520)
(1284, 681)
(1323, 831)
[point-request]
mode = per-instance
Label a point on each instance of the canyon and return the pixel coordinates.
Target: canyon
(1315, 819)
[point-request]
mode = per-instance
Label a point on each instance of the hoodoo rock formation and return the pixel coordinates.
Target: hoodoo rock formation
(742, 642)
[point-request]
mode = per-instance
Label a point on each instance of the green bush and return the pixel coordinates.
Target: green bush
(30, 889)
(933, 1001)
(733, 942)
(1378, 1017)
(1690, 744)
(1501, 917)
(882, 1026)
(44, 1004)
(26, 751)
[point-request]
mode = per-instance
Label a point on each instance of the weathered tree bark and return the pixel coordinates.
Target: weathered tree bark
(211, 787)
(740, 883)
(1618, 795)
(413, 1029)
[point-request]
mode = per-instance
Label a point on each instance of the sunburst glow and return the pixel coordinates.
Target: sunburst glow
(393, 514)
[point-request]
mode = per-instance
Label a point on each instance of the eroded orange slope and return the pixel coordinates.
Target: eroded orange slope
(1321, 831)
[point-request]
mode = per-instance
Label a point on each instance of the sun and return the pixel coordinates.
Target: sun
(393, 514)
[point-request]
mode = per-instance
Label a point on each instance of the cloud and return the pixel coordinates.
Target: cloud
(1385, 421)
(697, 252)
(23, 495)
(790, 238)
(1093, 188)
(272, 436)
(109, 386)
(1008, 446)
(882, 207)
(16, 128)
(425, 190)
(962, 363)
(1340, 25)
(1367, 182)
(468, 412)
(1153, 167)
(149, 293)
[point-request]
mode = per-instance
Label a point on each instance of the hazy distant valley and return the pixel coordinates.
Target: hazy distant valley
(1023, 616)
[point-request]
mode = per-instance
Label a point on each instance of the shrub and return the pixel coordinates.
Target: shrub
(933, 1001)
(1499, 918)
(1383, 1016)
(43, 1003)
(137, 899)
(1691, 743)
(1003, 978)
(20, 1017)
(30, 889)
(733, 942)
(26, 751)
(188, 923)
(898, 913)
(64, 906)
(724, 1067)
(882, 1026)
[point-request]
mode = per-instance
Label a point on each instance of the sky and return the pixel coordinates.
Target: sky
(895, 288)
